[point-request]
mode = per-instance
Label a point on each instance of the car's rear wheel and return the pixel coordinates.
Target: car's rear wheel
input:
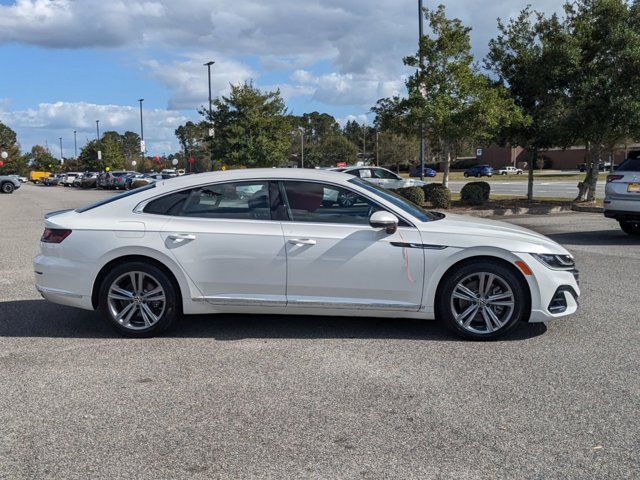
(466, 175)
(632, 228)
(138, 299)
(482, 300)
(7, 187)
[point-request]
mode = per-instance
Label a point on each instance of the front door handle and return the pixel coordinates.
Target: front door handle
(181, 237)
(302, 241)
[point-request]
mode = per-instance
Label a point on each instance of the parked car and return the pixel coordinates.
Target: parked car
(68, 178)
(129, 179)
(479, 171)
(428, 172)
(89, 180)
(38, 176)
(23, 179)
(52, 180)
(381, 176)
(77, 180)
(602, 166)
(510, 170)
(9, 183)
(108, 179)
(120, 178)
(218, 247)
(622, 195)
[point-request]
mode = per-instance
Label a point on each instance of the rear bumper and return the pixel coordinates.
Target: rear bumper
(622, 215)
(52, 273)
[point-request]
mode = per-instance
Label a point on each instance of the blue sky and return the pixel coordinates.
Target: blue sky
(68, 63)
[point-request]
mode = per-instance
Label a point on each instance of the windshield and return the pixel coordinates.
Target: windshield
(115, 197)
(400, 202)
(629, 165)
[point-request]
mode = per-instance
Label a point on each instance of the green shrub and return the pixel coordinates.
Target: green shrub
(485, 186)
(438, 195)
(472, 194)
(413, 194)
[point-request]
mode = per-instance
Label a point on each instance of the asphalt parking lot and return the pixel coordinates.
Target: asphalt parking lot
(295, 397)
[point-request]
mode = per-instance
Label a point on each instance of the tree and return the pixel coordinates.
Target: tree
(529, 58)
(448, 94)
(252, 128)
(604, 88)
(15, 163)
(112, 156)
(396, 149)
(362, 136)
(40, 159)
(193, 140)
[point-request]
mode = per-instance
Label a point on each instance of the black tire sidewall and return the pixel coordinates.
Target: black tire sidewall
(171, 308)
(7, 187)
(521, 307)
(630, 228)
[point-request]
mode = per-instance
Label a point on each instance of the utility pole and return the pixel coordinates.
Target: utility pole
(142, 144)
(421, 33)
(211, 129)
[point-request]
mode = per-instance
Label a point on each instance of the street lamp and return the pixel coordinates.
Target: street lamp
(211, 131)
(75, 144)
(98, 137)
(421, 33)
(61, 159)
(142, 145)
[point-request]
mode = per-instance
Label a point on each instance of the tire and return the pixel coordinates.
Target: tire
(472, 320)
(503, 173)
(139, 318)
(478, 175)
(7, 187)
(632, 228)
(466, 175)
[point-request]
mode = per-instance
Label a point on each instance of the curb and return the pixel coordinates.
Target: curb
(587, 208)
(507, 212)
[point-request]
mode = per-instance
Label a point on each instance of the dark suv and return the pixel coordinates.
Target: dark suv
(479, 171)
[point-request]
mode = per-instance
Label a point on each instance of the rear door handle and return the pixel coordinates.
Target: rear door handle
(302, 241)
(181, 237)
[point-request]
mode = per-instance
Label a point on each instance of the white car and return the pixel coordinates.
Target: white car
(510, 171)
(68, 178)
(267, 241)
(622, 195)
(381, 176)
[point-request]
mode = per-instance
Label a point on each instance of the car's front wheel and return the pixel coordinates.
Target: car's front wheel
(138, 299)
(482, 300)
(8, 187)
(632, 228)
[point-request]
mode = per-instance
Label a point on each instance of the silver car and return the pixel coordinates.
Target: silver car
(622, 195)
(382, 177)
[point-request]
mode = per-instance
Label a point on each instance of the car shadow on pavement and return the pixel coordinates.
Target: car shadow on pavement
(595, 237)
(39, 318)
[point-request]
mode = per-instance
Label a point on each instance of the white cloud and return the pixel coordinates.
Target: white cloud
(187, 80)
(49, 121)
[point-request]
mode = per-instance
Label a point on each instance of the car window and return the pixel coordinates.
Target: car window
(322, 203)
(383, 174)
(240, 200)
(362, 173)
(629, 165)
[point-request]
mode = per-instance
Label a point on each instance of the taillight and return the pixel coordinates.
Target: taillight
(54, 235)
(611, 178)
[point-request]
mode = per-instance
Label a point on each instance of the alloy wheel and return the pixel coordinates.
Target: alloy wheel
(482, 303)
(136, 300)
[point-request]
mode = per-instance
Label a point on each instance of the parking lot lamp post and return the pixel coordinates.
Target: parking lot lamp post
(301, 147)
(420, 34)
(98, 139)
(142, 145)
(75, 144)
(208, 65)
(61, 159)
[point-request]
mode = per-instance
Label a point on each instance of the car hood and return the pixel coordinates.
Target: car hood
(465, 232)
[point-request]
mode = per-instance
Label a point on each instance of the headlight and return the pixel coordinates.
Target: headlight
(555, 262)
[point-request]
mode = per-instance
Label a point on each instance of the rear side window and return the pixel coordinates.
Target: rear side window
(629, 165)
(240, 200)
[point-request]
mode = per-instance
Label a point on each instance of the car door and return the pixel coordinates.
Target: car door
(224, 238)
(335, 259)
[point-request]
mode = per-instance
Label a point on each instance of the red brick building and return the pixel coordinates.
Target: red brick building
(555, 158)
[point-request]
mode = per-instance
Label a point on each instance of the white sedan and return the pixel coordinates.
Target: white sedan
(381, 176)
(267, 241)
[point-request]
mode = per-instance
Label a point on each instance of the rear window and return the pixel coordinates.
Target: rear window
(115, 198)
(629, 165)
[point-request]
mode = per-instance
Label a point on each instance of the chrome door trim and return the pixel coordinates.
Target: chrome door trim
(392, 307)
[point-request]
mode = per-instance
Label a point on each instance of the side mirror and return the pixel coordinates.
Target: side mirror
(386, 220)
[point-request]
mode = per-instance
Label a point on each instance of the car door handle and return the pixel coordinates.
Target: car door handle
(181, 237)
(302, 241)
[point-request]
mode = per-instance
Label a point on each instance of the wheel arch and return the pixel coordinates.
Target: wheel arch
(102, 273)
(503, 258)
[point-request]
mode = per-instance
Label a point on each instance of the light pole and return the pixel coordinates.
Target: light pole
(75, 144)
(301, 147)
(98, 139)
(211, 131)
(142, 145)
(61, 159)
(377, 151)
(364, 142)
(420, 34)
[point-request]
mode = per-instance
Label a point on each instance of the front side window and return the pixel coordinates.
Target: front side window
(322, 203)
(383, 174)
(240, 200)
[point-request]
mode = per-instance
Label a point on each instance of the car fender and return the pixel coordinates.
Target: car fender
(444, 264)
(188, 289)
